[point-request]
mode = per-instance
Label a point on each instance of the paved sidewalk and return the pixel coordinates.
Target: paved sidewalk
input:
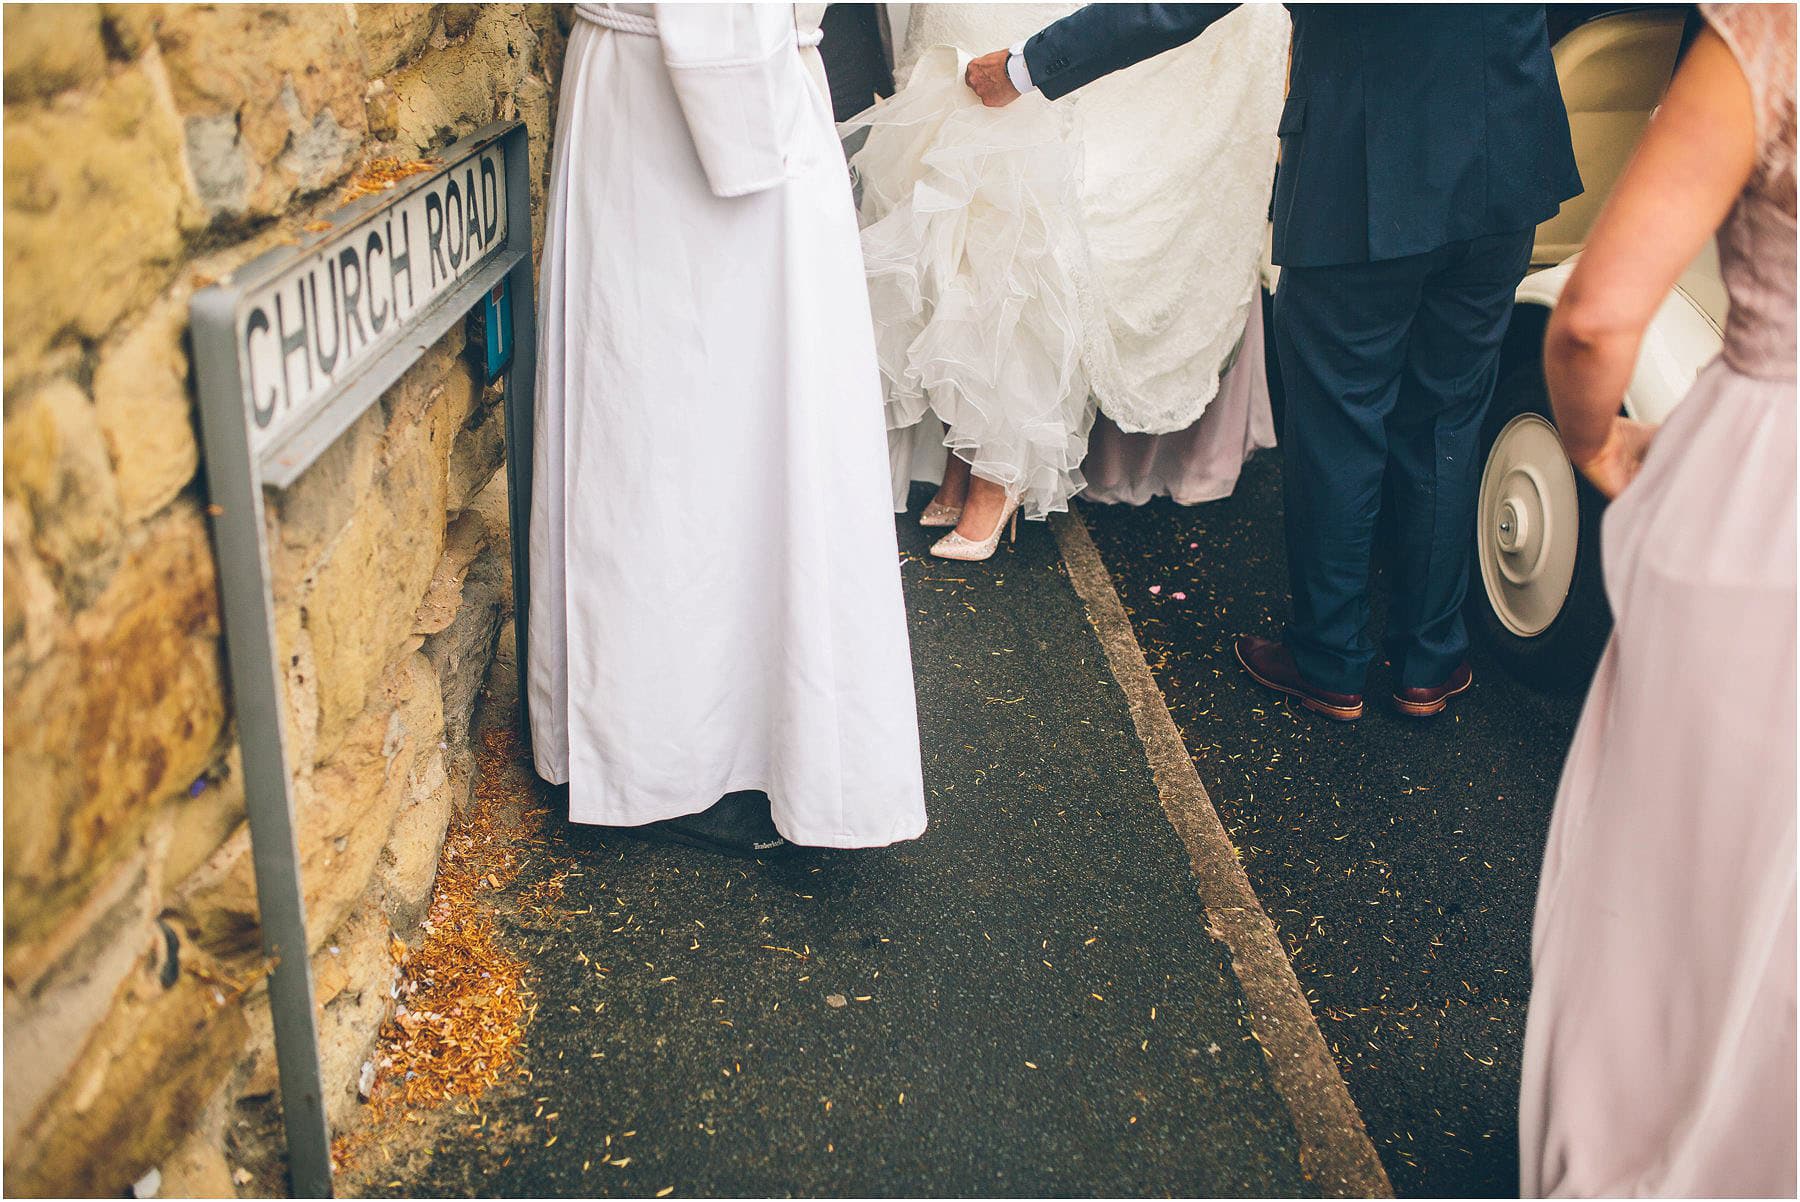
(1024, 1002)
(1398, 858)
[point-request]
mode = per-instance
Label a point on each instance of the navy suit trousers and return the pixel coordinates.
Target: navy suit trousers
(1388, 368)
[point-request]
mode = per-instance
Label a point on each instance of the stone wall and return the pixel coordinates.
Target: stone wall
(148, 151)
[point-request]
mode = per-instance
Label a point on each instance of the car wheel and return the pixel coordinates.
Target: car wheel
(1536, 596)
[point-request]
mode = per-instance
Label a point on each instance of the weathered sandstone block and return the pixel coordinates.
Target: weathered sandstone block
(409, 861)
(33, 608)
(51, 47)
(126, 710)
(316, 508)
(198, 1167)
(57, 467)
(146, 411)
(466, 83)
(463, 541)
(464, 649)
(354, 975)
(95, 187)
(136, 1088)
(198, 819)
(480, 448)
(271, 97)
(60, 988)
(393, 35)
(129, 28)
(360, 605)
(344, 811)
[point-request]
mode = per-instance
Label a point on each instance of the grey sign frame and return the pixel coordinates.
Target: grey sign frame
(237, 476)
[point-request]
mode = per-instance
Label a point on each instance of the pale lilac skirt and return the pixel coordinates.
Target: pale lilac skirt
(1659, 1051)
(1200, 463)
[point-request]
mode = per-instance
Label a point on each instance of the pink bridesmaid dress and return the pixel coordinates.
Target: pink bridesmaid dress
(1659, 1051)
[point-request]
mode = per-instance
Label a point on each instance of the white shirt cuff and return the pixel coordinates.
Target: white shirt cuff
(1017, 71)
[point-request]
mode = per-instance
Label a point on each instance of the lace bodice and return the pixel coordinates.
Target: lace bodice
(1756, 243)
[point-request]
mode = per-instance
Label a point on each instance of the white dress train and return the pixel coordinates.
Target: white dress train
(715, 600)
(1025, 263)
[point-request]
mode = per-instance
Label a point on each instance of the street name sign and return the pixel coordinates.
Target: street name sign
(289, 350)
(311, 328)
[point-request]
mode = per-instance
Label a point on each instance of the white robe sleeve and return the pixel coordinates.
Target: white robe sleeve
(742, 88)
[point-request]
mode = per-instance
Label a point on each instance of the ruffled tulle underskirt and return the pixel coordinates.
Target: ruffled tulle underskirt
(977, 277)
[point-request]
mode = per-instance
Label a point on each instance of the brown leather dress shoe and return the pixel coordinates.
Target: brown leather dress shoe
(1426, 703)
(1272, 665)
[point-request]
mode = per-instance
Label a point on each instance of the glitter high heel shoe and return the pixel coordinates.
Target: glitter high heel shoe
(938, 514)
(954, 546)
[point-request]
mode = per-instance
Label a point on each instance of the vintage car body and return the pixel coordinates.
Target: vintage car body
(1535, 591)
(1684, 336)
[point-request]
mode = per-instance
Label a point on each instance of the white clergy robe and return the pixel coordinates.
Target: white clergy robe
(715, 592)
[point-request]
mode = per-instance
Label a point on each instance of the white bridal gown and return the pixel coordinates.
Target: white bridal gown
(715, 588)
(1026, 262)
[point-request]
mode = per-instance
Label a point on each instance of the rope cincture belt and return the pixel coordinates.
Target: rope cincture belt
(644, 25)
(618, 19)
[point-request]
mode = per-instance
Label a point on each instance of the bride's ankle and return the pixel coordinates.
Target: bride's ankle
(951, 494)
(981, 507)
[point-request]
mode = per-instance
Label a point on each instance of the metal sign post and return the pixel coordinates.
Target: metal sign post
(289, 351)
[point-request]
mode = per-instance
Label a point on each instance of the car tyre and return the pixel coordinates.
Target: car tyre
(1517, 604)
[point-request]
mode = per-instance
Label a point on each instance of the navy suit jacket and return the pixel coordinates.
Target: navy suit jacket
(1407, 127)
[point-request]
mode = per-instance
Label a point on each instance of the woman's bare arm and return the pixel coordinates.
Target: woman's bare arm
(1693, 162)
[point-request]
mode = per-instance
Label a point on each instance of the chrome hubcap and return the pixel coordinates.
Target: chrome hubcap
(1528, 524)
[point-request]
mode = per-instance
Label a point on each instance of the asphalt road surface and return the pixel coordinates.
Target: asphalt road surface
(1025, 1002)
(1398, 859)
